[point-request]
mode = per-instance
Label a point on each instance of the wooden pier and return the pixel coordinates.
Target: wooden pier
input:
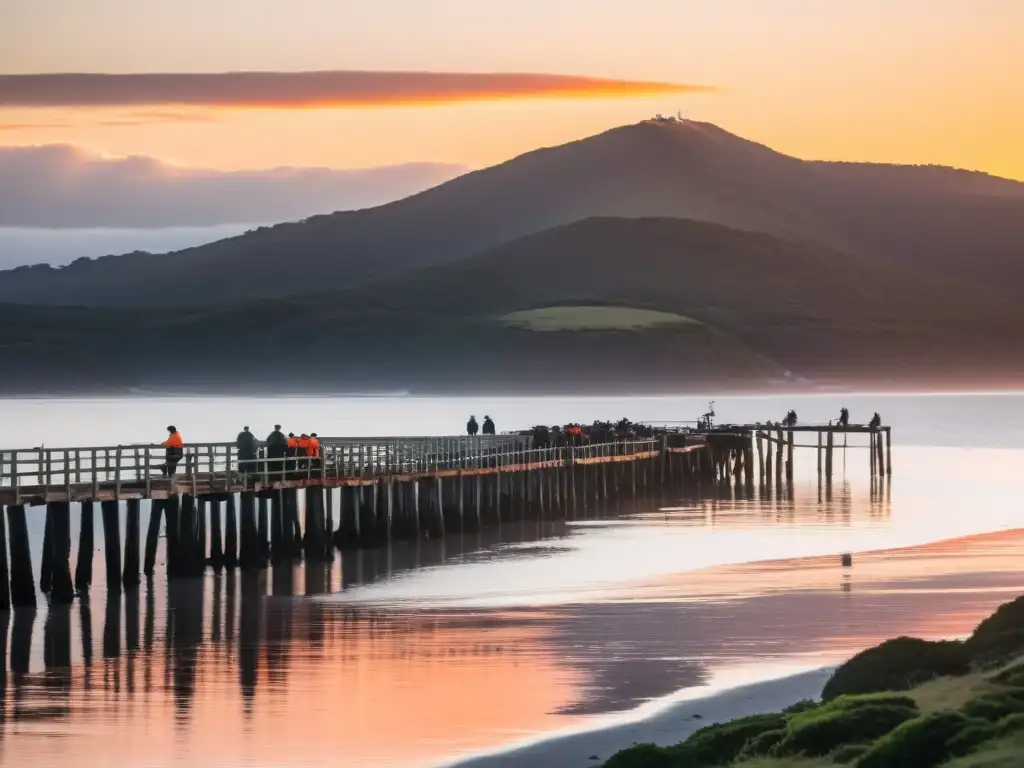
(222, 512)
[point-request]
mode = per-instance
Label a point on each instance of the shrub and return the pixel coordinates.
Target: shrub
(819, 735)
(1010, 725)
(644, 756)
(1013, 676)
(762, 745)
(965, 742)
(848, 753)
(897, 665)
(921, 742)
(721, 744)
(1000, 637)
(995, 705)
(801, 706)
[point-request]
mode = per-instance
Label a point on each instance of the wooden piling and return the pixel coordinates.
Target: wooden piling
(46, 560)
(277, 527)
(880, 459)
(789, 455)
(193, 537)
(263, 527)
(132, 532)
(779, 461)
(314, 533)
(819, 454)
(172, 515)
(888, 451)
(86, 547)
(62, 590)
(231, 534)
(5, 588)
(112, 544)
(216, 535)
(156, 509)
(251, 555)
(829, 452)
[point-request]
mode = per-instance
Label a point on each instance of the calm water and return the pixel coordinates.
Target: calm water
(426, 652)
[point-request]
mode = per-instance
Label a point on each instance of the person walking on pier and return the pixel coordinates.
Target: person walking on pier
(175, 450)
(246, 444)
(488, 426)
(472, 427)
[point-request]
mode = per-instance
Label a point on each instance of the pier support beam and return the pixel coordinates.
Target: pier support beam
(263, 527)
(132, 533)
(62, 591)
(231, 534)
(112, 544)
(86, 547)
(5, 588)
(156, 509)
(216, 534)
(251, 555)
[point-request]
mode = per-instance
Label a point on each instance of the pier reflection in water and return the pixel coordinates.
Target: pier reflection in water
(411, 663)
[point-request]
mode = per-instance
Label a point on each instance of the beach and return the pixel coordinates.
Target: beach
(669, 726)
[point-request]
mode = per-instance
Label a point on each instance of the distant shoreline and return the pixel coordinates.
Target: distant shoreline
(667, 726)
(852, 390)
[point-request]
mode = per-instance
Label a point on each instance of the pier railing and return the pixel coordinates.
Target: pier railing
(138, 470)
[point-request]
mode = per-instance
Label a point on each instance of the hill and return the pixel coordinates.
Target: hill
(968, 225)
(600, 305)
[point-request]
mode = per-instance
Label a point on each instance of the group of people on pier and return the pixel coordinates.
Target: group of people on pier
(280, 451)
(473, 428)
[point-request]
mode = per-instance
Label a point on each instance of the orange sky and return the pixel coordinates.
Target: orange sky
(919, 81)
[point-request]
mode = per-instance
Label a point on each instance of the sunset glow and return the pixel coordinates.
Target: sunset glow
(922, 82)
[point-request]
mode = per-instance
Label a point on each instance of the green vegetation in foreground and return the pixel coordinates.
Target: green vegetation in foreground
(907, 703)
(593, 318)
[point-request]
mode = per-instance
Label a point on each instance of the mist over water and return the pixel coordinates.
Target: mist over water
(422, 652)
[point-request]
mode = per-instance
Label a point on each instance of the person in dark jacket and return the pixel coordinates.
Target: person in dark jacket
(277, 447)
(472, 427)
(246, 445)
(488, 426)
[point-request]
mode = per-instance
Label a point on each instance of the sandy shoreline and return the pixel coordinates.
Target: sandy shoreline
(668, 726)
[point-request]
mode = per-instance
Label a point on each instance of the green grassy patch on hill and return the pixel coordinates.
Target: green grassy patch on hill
(593, 318)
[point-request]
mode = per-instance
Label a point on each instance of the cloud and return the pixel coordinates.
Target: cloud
(30, 126)
(66, 186)
(297, 90)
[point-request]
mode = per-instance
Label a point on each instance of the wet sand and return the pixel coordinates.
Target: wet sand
(668, 726)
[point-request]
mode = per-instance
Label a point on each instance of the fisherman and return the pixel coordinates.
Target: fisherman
(488, 426)
(175, 450)
(472, 427)
(246, 444)
(844, 417)
(876, 421)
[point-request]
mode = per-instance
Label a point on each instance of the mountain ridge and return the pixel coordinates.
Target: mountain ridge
(681, 169)
(759, 309)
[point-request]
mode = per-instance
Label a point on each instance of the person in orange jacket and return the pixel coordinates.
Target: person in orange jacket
(313, 446)
(175, 450)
